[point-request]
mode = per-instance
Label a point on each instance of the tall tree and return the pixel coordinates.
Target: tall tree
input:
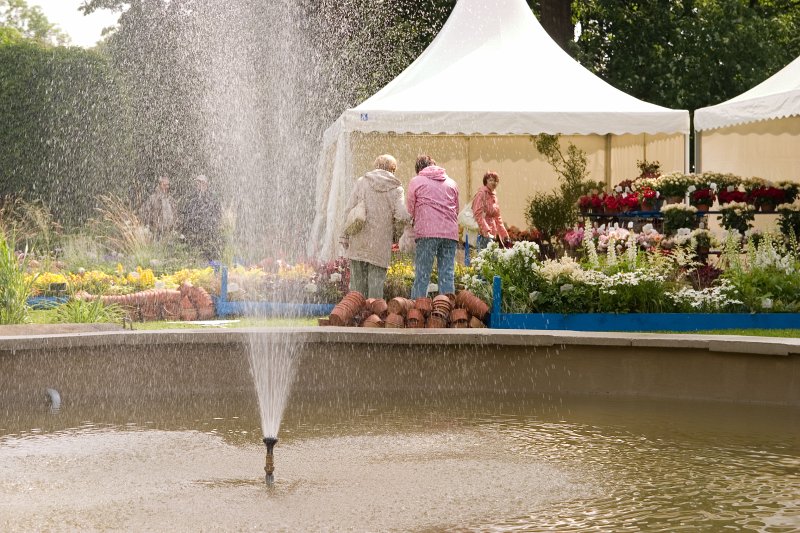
(687, 54)
(30, 22)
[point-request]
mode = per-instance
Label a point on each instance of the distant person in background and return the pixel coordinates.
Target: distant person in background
(486, 211)
(200, 215)
(370, 250)
(432, 201)
(159, 212)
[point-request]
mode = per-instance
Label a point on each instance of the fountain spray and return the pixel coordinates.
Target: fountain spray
(269, 468)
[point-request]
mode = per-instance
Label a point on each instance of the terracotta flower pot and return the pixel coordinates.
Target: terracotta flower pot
(436, 322)
(339, 317)
(323, 322)
(476, 322)
(394, 320)
(473, 304)
(424, 305)
(459, 318)
(416, 319)
(400, 306)
(373, 321)
(379, 307)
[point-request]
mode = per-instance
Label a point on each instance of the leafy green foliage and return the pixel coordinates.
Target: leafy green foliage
(80, 311)
(28, 22)
(686, 54)
(14, 289)
(62, 128)
(553, 212)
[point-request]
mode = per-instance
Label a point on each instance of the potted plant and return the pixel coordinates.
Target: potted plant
(789, 220)
(731, 193)
(677, 216)
(737, 215)
(591, 203)
(790, 190)
(673, 186)
(650, 198)
(649, 169)
(702, 197)
(763, 194)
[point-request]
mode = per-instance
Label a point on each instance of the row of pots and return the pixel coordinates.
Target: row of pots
(188, 303)
(462, 310)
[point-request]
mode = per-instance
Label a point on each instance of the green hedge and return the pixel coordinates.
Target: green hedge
(65, 132)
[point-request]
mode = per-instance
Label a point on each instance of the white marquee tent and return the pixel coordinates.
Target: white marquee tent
(756, 133)
(490, 80)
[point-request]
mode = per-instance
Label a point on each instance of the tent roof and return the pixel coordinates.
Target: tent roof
(775, 97)
(493, 69)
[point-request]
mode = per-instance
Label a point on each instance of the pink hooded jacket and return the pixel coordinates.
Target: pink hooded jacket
(432, 201)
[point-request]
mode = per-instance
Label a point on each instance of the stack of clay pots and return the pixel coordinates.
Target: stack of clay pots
(463, 310)
(188, 303)
(348, 311)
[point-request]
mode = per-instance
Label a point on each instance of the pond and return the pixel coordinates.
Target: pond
(358, 453)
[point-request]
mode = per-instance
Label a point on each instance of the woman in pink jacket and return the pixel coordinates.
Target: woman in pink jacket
(432, 201)
(486, 211)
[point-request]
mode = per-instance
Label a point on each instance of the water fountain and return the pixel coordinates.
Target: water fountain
(161, 430)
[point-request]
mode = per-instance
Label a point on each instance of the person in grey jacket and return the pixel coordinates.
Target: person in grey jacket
(370, 249)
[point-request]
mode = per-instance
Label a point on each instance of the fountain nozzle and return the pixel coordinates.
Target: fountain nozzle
(269, 468)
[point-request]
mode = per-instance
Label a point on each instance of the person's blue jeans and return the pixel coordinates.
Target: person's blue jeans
(428, 248)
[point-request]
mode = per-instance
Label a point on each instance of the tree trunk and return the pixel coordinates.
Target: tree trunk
(557, 21)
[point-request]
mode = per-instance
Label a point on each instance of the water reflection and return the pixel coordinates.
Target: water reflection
(571, 464)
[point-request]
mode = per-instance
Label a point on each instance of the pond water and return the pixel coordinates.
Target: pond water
(396, 461)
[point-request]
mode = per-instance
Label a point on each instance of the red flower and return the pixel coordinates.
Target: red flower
(611, 204)
(704, 196)
(726, 196)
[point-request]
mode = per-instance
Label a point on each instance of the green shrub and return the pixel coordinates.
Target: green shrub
(14, 289)
(79, 311)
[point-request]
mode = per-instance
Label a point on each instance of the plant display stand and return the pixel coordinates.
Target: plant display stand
(225, 307)
(634, 321)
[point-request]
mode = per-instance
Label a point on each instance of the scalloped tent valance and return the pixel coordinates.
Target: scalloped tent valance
(776, 97)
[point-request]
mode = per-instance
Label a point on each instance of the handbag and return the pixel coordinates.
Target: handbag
(356, 218)
(407, 243)
(466, 218)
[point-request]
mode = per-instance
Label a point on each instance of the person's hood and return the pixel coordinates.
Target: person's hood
(382, 180)
(433, 172)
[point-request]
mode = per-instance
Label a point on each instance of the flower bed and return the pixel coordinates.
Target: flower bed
(652, 283)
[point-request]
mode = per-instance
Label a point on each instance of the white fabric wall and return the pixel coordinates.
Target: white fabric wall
(769, 149)
(522, 169)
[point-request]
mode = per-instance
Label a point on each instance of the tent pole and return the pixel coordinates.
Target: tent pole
(607, 173)
(697, 166)
(469, 167)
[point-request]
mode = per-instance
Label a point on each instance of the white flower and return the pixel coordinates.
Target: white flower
(713, 186)
(311, 287)
(618, 188)
(534, 296)
(336, 277)
(691, 189)
(630, 225)
(81, 271)
(766, 303)
(567, 287)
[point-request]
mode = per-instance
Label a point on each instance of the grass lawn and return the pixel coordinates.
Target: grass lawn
(47, 317)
